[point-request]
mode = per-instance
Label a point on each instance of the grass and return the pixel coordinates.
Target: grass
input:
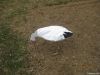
(55, 2)
(12, 45)
(12, 50)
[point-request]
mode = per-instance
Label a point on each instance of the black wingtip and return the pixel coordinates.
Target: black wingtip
(67, 34)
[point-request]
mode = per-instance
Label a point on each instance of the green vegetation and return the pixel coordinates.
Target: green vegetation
(12, 45)
(55, 2)
(12, 50)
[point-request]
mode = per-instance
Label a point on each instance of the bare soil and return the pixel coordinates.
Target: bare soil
(78, 55)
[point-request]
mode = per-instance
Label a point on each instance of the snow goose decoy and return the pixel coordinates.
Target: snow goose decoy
(51, 33)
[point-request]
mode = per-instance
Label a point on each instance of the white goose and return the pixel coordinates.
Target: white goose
(51, 33)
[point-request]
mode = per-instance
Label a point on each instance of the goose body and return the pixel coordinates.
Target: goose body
(51, 33)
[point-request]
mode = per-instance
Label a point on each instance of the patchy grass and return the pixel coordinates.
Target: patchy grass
(12, 50)
(55, 2)
(32, 3)
(13, 46)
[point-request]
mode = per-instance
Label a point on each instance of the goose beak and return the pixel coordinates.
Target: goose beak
(32, 42)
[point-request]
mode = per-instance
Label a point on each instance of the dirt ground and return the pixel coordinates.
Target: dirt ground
(77, 55)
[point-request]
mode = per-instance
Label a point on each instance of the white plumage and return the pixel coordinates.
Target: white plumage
(51, 33)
